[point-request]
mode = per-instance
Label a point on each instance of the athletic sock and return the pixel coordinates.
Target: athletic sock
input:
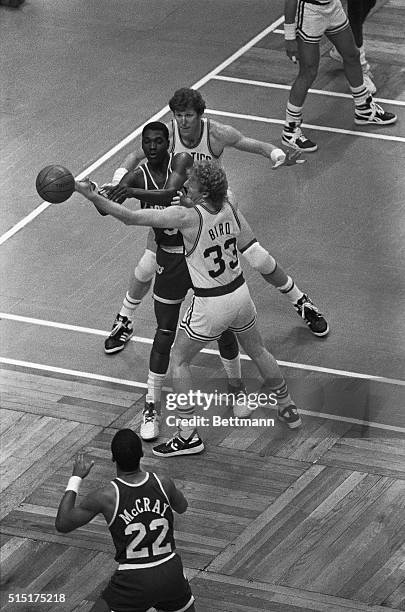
(129, 306)
(155, 384)
(291, 290)
(233, 369)
(361, 96)
(293, 115)
(282, 394)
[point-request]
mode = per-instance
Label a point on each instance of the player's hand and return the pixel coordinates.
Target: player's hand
(85, 187)
(291, 158)
(291, 49)
(81, 466)
(117, 193)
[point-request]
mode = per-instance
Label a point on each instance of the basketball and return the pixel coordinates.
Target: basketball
(55, 184)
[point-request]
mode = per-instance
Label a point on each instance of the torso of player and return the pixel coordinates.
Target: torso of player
(142, 524)
(212, 258)
(164, 237)
(200, 150)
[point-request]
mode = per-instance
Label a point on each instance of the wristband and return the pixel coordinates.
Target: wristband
(289, 31)
(119, 173)
(74, 484)
(277, 155)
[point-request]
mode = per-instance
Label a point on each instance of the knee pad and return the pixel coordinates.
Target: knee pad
(260, 259)
(146, 267)
(163, 341)
(228, 345)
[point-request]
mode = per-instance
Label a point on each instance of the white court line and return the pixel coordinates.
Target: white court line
(140, 339)
(132, 383)
(321, 92)
(123, 143)
(319, 128)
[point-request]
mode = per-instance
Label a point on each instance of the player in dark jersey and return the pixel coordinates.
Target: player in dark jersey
(138, 508)
(154, 183)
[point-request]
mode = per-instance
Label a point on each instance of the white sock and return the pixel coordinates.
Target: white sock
(129, 305)
(155, 384)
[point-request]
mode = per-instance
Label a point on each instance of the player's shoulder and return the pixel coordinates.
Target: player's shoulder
(182, 160)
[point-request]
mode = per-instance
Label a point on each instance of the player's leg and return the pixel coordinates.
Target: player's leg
(273, 273)
(167, 316)
(310, 28)
(252, 342)
(366, 110)
(186, 441)
(139, 285)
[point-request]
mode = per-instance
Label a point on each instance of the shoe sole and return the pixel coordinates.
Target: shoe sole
(295, 148)
(377, 123)
(116, 349)
(148, 439)
(294, 425)
(190, 451)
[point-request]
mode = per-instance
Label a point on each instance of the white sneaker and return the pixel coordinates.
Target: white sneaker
(240, 405)
(335, 55)
(150, 424)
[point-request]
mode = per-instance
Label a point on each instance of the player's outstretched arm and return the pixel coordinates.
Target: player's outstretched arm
(69, 516)
(229, 136)
(177, 500)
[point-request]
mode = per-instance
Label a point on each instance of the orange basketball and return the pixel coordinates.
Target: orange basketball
(55, 184)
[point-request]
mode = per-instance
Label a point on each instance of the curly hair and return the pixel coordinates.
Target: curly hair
(185, 98)
(212, 179)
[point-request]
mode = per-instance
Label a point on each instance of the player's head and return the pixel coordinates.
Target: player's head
(126, 448)
(187, 99)
(207, 179)
(155, 141)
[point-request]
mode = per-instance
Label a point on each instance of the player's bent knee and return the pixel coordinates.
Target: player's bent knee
(163, 340)
(146, 267)
(260, 259)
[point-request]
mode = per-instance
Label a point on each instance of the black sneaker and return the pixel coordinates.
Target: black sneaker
(373, 113)
(177, 446)
(120, 334)
(150, 423)
(311, 315)
(290, 416)
(293, 137)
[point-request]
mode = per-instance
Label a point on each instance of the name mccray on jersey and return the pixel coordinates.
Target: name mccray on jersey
(142, 524)
(164, 237)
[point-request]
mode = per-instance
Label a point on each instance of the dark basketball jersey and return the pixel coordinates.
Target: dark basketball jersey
(164, 237)
(142, 524)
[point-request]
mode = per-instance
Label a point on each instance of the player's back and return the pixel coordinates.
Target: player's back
(142, 524)
(212, 258)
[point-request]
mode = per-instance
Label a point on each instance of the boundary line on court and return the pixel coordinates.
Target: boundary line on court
(132, 383)
(123, 143)
(319, 128)
(142, 340)
(321, 92)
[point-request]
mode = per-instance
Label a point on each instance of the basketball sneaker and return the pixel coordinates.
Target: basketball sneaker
(178, 446)
(311, 315)
(289, 415)
(369, 83)
(371, 112)
(240, 406)
(121, 332)
(293, 137)
(150, 423)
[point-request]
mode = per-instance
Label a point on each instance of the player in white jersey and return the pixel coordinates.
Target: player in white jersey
(203, 138)
(211, 231)
(306, 21)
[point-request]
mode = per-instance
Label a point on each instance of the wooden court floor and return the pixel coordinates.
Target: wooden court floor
(278, 520)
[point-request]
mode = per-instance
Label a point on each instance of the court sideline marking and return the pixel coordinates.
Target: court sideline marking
(123, 143)
(321, 92)
(142, 340)
(132, 383)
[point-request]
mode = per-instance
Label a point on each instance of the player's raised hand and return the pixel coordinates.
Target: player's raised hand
(85, 187)
(291, 158)
(81, 466)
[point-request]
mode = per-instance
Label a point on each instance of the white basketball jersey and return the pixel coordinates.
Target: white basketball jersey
(213, 258)
(202, 150)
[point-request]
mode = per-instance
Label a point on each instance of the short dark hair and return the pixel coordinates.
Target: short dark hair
(187, 98)
(126, 448)
(157, 126)
(212, 179)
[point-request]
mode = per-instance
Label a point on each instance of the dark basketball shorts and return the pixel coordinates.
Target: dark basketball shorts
(172, 279)
(162, 586)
